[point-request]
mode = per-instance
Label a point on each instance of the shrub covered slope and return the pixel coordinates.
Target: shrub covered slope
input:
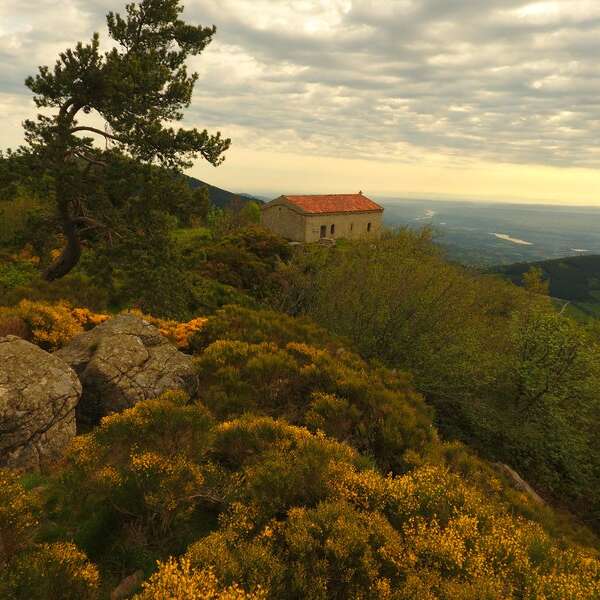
(323, 455)
(299, 471)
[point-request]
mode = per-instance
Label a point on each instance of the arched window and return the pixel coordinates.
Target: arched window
(332, 229)
(369, 227)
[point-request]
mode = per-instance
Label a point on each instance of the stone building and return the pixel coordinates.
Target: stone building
(311, 218)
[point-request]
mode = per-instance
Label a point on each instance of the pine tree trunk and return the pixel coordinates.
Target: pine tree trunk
(70, 254)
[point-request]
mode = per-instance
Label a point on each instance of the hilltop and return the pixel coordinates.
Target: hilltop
(353, 440)
(220, 197)
(191, 407)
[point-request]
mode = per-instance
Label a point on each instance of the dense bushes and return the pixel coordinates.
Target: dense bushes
(50, 326)
(424, 535)
(505, 372)
(130, 488)
(304, 470)
(32, 570)
(57, 570)
(374, 410)
(273, 511)
(257, 326)
(244, 259)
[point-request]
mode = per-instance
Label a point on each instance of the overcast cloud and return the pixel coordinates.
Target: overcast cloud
(500, 80)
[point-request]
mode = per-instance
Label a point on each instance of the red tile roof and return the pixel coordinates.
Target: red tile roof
(333, 203)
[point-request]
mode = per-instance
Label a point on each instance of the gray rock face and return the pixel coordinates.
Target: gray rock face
(38, 396)
(519, 483)
(122, 362)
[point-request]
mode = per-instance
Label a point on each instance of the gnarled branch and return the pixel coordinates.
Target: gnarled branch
(107, 135)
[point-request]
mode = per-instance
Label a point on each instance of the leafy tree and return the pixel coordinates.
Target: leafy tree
(534, 281)
(505, 372)
(136, 89)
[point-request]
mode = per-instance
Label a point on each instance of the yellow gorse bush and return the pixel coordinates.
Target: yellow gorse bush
(51, 326)
(179, 333)
(177, 580)
(17, 520)
(58, 570)
(426, 534)
(37, 571)
(303, 515)
(167, 485)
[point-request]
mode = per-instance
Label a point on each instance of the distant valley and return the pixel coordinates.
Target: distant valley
(488, 234)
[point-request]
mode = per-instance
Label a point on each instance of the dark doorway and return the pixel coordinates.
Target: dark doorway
(323, 231)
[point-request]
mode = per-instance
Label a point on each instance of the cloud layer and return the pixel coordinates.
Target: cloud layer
(393, 80)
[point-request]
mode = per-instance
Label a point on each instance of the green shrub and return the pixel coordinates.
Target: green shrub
(76, 289)
(257, 326)
(505, 373)
(137, 475)
(50, 571)
(244, 259)
(383, 416)
(15, 274)
(281, 466)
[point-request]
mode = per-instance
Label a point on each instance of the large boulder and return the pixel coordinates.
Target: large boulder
(38, 396)
(122, 362)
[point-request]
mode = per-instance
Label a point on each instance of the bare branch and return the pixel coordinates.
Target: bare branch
(98, 131)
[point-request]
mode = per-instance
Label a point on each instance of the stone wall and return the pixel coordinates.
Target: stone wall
(296, 227)
(346, 225)
(284, 221)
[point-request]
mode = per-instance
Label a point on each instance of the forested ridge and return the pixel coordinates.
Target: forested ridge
(575, 279)
(361, 421)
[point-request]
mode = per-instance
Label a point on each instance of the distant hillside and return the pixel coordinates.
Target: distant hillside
(575, 279)
(219, 197)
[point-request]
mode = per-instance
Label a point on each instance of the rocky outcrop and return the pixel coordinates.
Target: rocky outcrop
(38, 396)
(519, 483)
(128, 586)
(122, 362)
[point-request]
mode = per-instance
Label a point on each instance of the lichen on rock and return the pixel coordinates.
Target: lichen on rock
(122, 362)
(38, 396)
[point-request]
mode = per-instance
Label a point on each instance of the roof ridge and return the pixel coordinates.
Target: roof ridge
(332, 203)
(319, 195)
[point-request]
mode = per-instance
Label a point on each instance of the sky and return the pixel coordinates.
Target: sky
(476, 99)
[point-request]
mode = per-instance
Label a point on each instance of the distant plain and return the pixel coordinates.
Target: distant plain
(487, 234)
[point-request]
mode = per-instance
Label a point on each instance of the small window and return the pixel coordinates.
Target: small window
(323, 231)
(351, 226)
(369, 227)
(332, 229)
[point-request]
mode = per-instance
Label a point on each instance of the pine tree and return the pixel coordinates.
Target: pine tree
(136, 89)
